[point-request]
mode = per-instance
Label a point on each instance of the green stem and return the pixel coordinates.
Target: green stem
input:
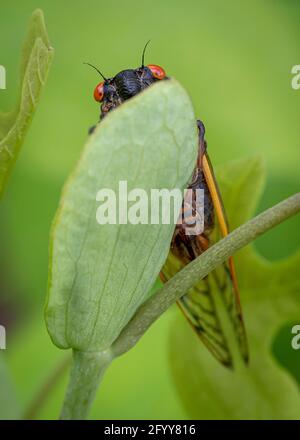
(86, 373)
(88, 368)
(155, 306)
(47, 387)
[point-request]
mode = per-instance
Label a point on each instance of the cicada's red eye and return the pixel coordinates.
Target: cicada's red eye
(157, 71)
(99, 92)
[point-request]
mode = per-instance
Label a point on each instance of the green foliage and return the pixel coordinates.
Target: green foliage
(35, 63)
(100, 274)
(240, 87)
(9, 408)
(32, 359)
(36, 59)
(270, 299)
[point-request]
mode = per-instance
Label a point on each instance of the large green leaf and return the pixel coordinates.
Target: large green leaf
(36, 58)
(100, 274)
(270, 294)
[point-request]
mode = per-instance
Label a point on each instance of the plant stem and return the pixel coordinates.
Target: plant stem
(177, 286)
(88, 368)
(86, 372)
(43, 393)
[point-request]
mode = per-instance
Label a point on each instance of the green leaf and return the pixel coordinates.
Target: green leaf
(36, 59)
(8, 405)
(100, 274)
(270, 298)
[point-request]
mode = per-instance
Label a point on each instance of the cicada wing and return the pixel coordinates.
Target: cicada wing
(200, 308)
(224, 230)
(199, 304)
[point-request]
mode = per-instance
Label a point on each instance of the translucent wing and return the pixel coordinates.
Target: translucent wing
(236, 311)
(199, 305)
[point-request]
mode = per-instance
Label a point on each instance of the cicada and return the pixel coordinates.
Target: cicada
(198, 305)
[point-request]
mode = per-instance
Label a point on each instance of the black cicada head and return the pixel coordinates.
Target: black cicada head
(114, 91)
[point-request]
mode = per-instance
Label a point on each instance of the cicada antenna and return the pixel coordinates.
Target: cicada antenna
(143, 54)
(91, 65)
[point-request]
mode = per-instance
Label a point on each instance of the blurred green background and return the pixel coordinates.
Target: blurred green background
(235, 60)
